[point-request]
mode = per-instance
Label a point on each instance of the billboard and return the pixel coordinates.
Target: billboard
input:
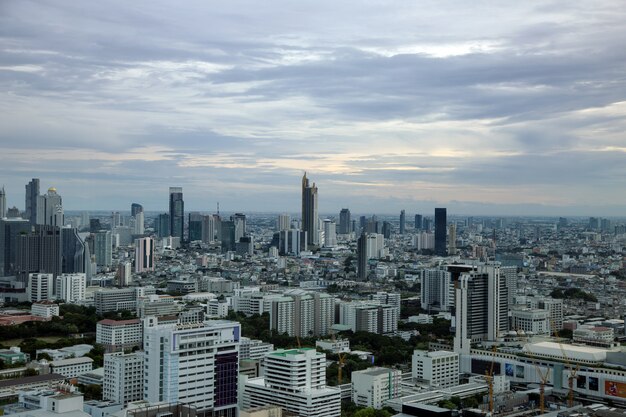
(508, 369)
(593, 383)
(519, 371)
(615, 389)
(480, 367)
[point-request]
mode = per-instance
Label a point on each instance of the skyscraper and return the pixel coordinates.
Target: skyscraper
(10, 230)
(283, 222)
(162, 225)
(39, 251)
(177, 212)
(240, 225)
(309, 211)
(75, 253)
(103, 249)
(195, 226)
(440, 231)
(3, 202)
(32, 194)
(330, 234)
(452, 244)
(50, 209)
(227, 236)
(345, 223)
(418, 222)
(362, 257)
(135, 208)
(208, 229)
(144, 255)
(402, 222)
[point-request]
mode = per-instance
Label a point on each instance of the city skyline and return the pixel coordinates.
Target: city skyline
(488, 109)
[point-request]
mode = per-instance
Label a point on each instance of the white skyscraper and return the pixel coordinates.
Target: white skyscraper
(71, 287)
(40, 287)
(296, 381)
(193, 364)
(3, 203)
(139, 223)
(330, 234)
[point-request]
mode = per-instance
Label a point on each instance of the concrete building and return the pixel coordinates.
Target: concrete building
(310, 217)
(71, 287)
(46, 309)
(253, 349)
(531, 321)
(373, 386)
(40, 287)
(193, 364)
(103, 248)
(123, 377)
(437, 289)
(71, 368)
(118, 335)
(439, 369)
(595, 336)
(296, 381)
(144, 254)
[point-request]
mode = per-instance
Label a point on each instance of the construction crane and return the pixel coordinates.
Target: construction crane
(573, 371)
(543, 377)
(489, 377)
(340, 365)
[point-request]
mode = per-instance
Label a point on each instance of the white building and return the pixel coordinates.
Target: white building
(369, 317)
(216, 309)
(40, 287)
(330, 234)
(303, 314)
(595, 335)
(123, 377)
(46, 309)
(296, 381)
(373, 386)
(437, 291)
(439, 369)
(253, 349)
(71, 368)
(71, 287)
(424, 240)
(334, 346)
(531, 320)
(117, 335)
(193, 364)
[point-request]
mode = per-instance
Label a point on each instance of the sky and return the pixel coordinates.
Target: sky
(484, 107)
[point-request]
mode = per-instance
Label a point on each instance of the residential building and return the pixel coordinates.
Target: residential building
(310, 217)
(71, 287)
(123, 377)
(373, 386)
(177, 212)
(119, 335)
(439, 369)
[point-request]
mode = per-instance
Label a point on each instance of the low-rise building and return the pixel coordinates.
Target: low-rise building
(116, 335)
(439, 369)
(71, 368)
(373, 386)
(46, 309)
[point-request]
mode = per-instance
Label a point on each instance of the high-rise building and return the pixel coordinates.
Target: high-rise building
(32, 196)
(50, 209)
(116, 219)
(402, 222)
(135, 208)
(71, 287)
(362, 258)
(452, 239)
(39, 251)
(139, 223)
(437, 289)
(283, 222)
(10, 230)
(162, 225)
(144, 254)
(294, 380)
(40, 287)
(75, 252)
(227, 236)
(177, 212)
(440, 231)
(387, 230)
(309, 212)
(240, 225)
(3, 203)
(439, 369)
(345, 223)
(103, 249)
(418, 222)
(195, 226)
(373, 386)
(193, 364)
(124, 274)
(123, 377)
(481, 304)
(291, 242)
(330, 234)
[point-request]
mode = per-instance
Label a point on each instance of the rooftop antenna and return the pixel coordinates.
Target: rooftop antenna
(218, 208)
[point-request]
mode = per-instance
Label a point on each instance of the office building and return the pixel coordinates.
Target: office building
(387, 229)
(481, 303)
(124, 274)
(39, 251)
(309, 212)
(194, 364)
(208, 228)
(240, 225)
(362, 258)
(75, 257)
(144, 255)
(139, 228)
(345, 222)
(119, 335)
(103, 249)
(116, 299)
(291, 242)
(369, 317)
(195, 226)
(440, 231)
(253, 349)
(135, 208)
(530, 320)
(283, 222)
(436, 290)
(50, 209)
(177, 212)
(123, 377)
(373, 386)
(510, 277)
(40, 287)
(227, 236)
(402, 222)
(440, 369)
(296, 381)
(330, 234)
(162, 225)
(71, 287)
(32, 196)
(10, 231)
(452, 240)
(418, 222)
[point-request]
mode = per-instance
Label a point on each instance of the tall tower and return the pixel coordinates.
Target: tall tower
(452, 244)
(32, 193)
(144, 254)
(50, 209)
(177, 212)
(3, 202)
(362, 257)
(402, 222)
(135, 208)
(345, 225)
(440, 231)
(309, 211)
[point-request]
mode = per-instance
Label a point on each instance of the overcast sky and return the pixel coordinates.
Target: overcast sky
(482, 106)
